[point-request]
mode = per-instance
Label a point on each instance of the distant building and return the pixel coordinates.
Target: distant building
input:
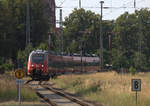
(50, 12)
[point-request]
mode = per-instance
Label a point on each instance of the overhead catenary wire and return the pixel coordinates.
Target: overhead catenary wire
(124, 6)
(128, 6)
(111, 7)
(62, 3)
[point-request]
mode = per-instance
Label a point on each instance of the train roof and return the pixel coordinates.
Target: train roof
(39, 51)
(43, 52)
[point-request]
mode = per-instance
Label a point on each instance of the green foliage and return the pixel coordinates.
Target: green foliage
(13, 25)
(141, 63)
(124, 40)
(77, 26)
(132, 70)
(43, 46)
(125, 49)
(23, 55)
(6, 67)
(39, 22)
(82, 28)
(119, 59)
(124, 33)
(2, 60)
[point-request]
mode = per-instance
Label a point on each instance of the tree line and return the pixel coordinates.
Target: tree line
(120, 37)
(13, 26)
(81, 30)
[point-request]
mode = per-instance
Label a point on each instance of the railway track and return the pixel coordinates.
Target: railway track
(55, 97)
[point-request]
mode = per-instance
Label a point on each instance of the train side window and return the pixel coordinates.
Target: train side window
(48, 61)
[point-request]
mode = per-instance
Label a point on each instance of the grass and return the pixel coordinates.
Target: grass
(108, 88)
(8, 90)
(13, 103)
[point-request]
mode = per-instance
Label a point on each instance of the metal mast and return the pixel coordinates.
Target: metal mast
(101, 37)
(135, 4)
(139, 38)
(49, 22)
(79, 3)
(27, 24)
(81, 51)
(61, 34)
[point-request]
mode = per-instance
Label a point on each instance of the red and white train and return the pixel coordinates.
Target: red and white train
(43, 65)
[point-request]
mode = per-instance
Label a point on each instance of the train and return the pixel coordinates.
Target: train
(43, 65)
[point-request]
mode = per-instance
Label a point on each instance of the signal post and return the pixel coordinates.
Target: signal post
(19, 74)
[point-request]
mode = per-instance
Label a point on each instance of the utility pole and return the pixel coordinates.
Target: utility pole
(134, 3)
(101, 37)
(49, 23)
(27, 29)
(61, 33)
(49, 40)
(139, 38)
(79, 4)
(81, 46)
(81, 53)
(110, 41)
(81, 49)
(27, 24)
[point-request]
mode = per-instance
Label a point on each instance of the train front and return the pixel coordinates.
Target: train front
(37, 66)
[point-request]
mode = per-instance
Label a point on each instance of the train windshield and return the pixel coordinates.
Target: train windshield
(37, 58)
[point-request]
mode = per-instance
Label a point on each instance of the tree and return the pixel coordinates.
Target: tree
(77, 28)
(22, 56)
(39, 23)
(13, 25)
(83, 27)
(126, 40)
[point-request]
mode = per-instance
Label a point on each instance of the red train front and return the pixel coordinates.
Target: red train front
(43, 64)
(38, 65)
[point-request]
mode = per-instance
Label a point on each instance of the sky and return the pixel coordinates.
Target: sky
(94, 5)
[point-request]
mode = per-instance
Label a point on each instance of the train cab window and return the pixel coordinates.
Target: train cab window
(37, 58)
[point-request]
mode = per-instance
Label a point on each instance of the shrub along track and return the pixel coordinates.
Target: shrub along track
(54, 96)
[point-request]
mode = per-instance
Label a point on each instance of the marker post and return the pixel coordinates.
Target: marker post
(19, 81)
(136, 98)
(136, 86)
(19, 94)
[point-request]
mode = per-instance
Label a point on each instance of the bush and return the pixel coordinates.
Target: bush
(132, 70)
(7, 67)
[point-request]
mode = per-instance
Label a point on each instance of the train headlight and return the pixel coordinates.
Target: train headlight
(32, 65)
(42, 65)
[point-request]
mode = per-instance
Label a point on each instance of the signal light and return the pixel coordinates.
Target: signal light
(32, 65)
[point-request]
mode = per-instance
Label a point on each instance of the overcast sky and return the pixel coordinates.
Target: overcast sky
(108, 14)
